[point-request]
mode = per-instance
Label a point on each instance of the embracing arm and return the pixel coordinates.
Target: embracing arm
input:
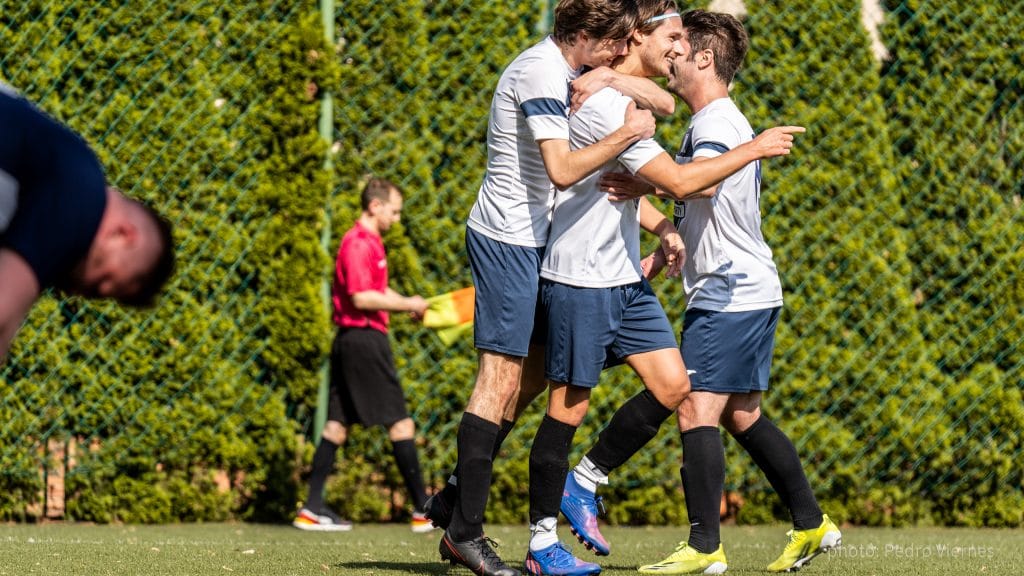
(643, 91)
(566, 167)
(18, 290)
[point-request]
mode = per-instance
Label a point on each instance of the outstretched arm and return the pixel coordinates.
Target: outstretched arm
(18, 290)
(691, 180)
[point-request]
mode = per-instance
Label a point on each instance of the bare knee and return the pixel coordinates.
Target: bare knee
(334, 432)
(497, 385)
(404, 429)
(741, 412)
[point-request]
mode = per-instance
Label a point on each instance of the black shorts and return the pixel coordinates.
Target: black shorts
(364, 384)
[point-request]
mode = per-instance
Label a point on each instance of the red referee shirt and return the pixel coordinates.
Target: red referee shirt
(361, 265)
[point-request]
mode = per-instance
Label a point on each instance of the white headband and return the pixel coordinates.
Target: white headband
(654, 19)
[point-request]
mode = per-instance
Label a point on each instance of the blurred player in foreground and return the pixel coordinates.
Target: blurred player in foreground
(62, 226)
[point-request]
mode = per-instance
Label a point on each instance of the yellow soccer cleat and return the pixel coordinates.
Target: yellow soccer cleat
(804, 545)
(687, 560)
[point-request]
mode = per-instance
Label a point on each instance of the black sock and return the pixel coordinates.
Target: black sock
(549, 465)
(451, 491)
(475, 443)
(506, 428)
(632, 426)
(703, 474)
(409, 465)
(323, 464)
(776, 456)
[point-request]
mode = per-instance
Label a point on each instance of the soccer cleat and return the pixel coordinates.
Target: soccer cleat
(420, 523)
(325, 521)
(556, 560)
(687, 560)
(477, 555)
(804, 545)
(579, 506)
(439, 510)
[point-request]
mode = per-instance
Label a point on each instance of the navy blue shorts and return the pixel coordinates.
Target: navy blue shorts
(506, 309)
(729, 352)
(590, 329)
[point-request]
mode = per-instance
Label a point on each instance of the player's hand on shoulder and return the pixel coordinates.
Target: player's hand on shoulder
(776, 141)
(587, 85)
(639, 122)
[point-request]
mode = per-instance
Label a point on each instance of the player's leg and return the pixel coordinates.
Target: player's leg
(702, 474)
(505, 278)
(549, 464)
(645, 341)
(776, 456)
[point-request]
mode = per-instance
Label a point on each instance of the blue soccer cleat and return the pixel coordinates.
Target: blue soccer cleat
(556, 560)
(579, 506)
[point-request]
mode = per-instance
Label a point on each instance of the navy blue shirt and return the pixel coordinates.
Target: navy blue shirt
(58, 187)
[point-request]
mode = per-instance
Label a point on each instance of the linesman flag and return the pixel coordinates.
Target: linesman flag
(450, 314)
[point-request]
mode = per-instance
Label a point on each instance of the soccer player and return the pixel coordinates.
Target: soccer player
(600, 310)
(62, 226)
(528, 155)
(365, 389)
(733, 297)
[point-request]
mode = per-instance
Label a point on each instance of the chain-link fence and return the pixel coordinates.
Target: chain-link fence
(896, 224)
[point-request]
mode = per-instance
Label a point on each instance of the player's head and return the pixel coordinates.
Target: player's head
(656, 39)
(130, 258)
(712, 42)
(382, 202)
(600, 28)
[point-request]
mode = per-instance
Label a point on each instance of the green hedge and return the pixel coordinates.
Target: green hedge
(896, 225)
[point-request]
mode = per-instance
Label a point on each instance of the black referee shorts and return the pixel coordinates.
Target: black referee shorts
(364, 384)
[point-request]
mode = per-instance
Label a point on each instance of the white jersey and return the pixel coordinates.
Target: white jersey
(531, 103)
(594, 242)
(729, 266)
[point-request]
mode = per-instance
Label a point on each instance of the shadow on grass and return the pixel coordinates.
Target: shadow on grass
(410, 567)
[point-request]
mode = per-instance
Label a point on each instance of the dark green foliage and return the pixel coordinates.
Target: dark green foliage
(200, 109)
(896, 224)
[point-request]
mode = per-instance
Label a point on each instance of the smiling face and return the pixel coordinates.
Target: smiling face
(683, 67)
(660, 47)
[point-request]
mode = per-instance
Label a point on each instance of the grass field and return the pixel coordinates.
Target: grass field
(385, 550)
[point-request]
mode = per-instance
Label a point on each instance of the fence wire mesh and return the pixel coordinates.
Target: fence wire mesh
(896, 224)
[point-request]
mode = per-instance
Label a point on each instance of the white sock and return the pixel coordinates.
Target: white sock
(543, 534)
(588, 476)
(453, 480)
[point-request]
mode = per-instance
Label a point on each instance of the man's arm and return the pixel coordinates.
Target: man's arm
(388, 300)
(672, 250)
(685, 181)
(643, 91)
(566, 167)
(18, 291)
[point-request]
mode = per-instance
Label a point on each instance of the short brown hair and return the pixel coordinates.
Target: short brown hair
(647, 10)
(599, 19)
(377, 189)
(721, 33)
(153, 281)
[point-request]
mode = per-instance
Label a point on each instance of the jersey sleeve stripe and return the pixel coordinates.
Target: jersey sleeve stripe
(543, 107)
(716, 146)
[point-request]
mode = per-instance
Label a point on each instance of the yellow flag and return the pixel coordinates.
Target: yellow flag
(451, 314)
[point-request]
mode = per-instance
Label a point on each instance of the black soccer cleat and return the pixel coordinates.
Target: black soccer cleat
(439, 510)
(477, 555)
